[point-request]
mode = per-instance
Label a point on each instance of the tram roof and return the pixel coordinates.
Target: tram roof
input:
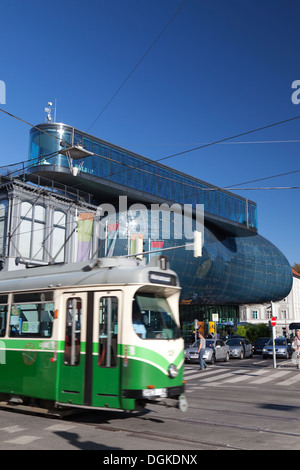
(104, 271)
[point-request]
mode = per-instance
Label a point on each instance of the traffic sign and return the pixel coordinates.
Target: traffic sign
(215, 317)
(273, 321)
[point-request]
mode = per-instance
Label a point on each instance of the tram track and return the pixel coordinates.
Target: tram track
(212, 431)
(248, 414)
(237, 426)
(195, 443)
(204, 427)
(212, 422)
(209, 445)
(161, 437)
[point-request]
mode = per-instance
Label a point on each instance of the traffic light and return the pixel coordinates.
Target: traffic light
(211, 328)
(201, 327)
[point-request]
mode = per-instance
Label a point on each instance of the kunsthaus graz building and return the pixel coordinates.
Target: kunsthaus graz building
(80, 197)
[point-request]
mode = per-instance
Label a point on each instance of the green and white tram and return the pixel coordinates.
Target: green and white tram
(105, 335)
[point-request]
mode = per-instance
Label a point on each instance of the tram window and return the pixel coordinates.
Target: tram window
(152, 318)
(33, 297)
(32, 315)
(73, 331)
(108, 332)
(3, 319)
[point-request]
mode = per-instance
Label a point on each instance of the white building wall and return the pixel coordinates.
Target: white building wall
(286, 310)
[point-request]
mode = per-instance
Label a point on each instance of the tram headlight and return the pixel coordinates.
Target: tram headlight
(173, 371)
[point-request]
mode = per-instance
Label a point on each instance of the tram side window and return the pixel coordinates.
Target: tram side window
(73, 331)
(108, 332)
(3, 319)
(32, 315)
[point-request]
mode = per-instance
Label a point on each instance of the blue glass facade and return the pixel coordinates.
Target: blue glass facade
(232, 269)
(138, 173)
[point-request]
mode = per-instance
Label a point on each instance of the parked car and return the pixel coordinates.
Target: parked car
(259, 344)
(216, 350)
(239, 347)
(283, 348)
(191, 352)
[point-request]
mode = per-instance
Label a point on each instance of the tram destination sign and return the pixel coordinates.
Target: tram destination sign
(162, 278)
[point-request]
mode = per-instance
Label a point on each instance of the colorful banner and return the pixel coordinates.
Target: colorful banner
(113, 227)
(156, 245)
(134, 246)
(85, 233)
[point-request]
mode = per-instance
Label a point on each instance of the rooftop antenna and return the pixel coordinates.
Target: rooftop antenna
(55, 111)
(48, 111)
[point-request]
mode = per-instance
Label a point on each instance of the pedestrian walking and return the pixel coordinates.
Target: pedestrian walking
(201, 350)
(296, 347)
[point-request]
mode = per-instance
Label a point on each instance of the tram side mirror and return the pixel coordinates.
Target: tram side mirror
(163, 262)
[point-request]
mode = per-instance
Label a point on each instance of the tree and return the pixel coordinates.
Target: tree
(252, 332)
(296, 267)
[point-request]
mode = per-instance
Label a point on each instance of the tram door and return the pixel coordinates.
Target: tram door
(106, 367)
(73, 359)
(89, 367)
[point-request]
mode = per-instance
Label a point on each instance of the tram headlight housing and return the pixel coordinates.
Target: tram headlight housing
(173, 371)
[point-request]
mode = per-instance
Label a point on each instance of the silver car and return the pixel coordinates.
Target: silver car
(216, 350)
(239, 347)
(283, 348)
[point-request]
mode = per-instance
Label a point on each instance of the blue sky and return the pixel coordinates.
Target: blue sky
(219, 69)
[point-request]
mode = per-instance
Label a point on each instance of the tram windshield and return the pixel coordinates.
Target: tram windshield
(152, 318)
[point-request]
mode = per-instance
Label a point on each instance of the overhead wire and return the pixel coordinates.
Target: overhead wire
(227, 139)
(224, 140)
(214, 188)
(211, 188)
(265, 178)
(291, 141)
(29, 124)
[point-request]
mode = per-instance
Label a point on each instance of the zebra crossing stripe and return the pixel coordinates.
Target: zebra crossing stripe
(222, 376)
(271, 377)
(12, 429)
(292, 380)
(60, 427)
(245, 376)
(199, 374)
(23, 440)
(215, 377)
